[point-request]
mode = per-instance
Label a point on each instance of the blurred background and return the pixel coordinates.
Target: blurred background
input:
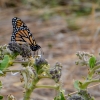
(61, 28)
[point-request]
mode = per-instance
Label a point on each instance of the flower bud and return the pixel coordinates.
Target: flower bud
(14, 47)
(55, 72)
(76, 97)
(24, 49)
(40, 61)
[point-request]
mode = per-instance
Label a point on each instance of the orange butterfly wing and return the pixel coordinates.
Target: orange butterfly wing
(21, 34)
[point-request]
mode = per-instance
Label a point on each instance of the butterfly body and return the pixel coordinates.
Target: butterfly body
(21, 34)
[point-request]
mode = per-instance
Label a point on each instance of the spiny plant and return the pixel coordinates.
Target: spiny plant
(34, 68)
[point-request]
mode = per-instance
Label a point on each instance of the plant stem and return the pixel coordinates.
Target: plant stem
(12, 70)
(44, 77)
(29, 91)
(96, 67)
(93, 71)
(47, 86)
(16, 61)
(86, 83)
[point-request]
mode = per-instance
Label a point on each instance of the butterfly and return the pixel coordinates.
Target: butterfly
(21, 34)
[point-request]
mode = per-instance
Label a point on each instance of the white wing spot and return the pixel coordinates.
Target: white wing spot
(15, 18)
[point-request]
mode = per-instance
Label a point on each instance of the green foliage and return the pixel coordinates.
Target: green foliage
(60, 96)
(1, 97)
(5, 63)
(80, 85)
(37, 68)
(92, 62)
(76, 85)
